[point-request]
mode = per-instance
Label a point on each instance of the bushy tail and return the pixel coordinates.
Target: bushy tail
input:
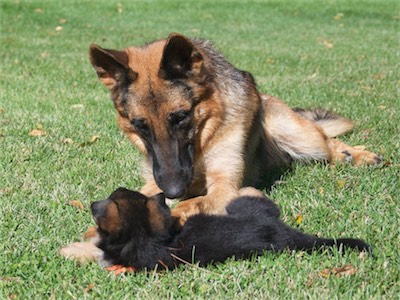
(332, 123)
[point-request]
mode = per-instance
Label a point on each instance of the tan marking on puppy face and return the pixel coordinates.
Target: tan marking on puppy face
(156, 218)
(111, 220)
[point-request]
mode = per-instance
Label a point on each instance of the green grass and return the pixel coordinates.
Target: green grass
(47, 82)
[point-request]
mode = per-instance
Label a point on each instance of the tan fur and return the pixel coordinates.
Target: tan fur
(239, 134)
(113, 223)
(156, 218)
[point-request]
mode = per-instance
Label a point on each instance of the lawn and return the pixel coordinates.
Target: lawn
(59, 141)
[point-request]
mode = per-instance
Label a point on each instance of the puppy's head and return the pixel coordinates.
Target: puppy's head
(127, 214)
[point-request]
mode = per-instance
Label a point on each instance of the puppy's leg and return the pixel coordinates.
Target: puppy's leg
(83, 252)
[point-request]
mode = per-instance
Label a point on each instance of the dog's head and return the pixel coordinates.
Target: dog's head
(156, 90)
(126, 213)
(132, 227)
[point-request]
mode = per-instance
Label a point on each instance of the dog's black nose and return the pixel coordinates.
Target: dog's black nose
(174, 191)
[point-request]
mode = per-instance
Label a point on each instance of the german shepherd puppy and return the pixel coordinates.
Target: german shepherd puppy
(137, 231)
(204, 129)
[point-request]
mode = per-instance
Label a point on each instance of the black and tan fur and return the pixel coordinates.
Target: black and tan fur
(202, 126)
(137, 231)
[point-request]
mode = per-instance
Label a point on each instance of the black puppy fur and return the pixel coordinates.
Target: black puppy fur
(139, 232)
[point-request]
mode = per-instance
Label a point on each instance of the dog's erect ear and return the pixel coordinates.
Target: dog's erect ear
(111, 66)
(159, 213)
(180, 58)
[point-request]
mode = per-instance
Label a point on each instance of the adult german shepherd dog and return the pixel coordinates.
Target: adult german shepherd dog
(202, 126)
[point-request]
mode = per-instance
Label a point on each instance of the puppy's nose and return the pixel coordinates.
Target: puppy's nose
(98, 207)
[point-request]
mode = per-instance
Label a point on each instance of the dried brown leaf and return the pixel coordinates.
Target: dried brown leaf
(37, 132)
(68, 141)
(346, 270)
(89, 287)
(76, 204)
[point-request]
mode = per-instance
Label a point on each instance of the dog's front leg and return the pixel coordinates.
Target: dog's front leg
(223, 181)
(213, 203)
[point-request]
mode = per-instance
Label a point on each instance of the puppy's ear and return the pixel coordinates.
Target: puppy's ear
(159, 213)
(181, 59)
(111, 66)
(160, 199)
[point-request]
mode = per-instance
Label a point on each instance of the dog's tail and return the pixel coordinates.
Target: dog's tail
(332, 123)
(305, 242)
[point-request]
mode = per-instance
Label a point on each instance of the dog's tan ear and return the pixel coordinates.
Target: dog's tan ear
(180, 58)
(111, 66)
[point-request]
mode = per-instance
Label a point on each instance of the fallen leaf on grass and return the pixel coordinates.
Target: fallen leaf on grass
(92, 140)
(299, 219)
(346, 270)
(68, 141)
(10, 279)
(58, 28)
(338, 16)
(62, 21)
(37, 132)
(76, 204)
(2, 110)
(328, 44)
(321, 191)
(340, 183)
(89, 287)
(38, 10)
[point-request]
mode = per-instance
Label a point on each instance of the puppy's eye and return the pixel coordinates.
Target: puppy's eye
(180, 118)
(140, 124)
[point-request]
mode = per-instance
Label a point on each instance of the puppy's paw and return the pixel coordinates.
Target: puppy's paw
(91, 233)
(119, 269)
(82, 252)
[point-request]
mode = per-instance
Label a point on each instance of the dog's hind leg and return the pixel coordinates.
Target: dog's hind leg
(294, 136)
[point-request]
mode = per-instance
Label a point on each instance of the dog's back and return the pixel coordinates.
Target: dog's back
(251, 227)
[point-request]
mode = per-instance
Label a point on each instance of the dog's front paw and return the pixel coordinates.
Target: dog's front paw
(83, 252)
(184, 210)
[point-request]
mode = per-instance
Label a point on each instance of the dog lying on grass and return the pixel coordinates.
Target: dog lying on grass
(137, 232)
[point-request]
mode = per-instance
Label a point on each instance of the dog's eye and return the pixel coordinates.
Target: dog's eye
(179, 118)
(140, 124)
